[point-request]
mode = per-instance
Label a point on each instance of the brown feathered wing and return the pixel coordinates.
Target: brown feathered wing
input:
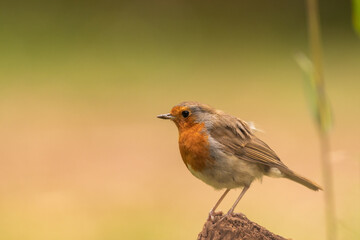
(237, 139)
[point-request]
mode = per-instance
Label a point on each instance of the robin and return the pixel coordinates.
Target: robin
(223, 151)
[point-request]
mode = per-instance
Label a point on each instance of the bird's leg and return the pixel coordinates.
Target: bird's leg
(218, 203)
(237, 200)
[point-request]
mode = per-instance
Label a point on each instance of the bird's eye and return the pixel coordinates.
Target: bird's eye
(185, 114)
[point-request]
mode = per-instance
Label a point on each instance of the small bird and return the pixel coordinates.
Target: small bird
(223, 151)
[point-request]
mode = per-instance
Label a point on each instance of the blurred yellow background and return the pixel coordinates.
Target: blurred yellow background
(83, 156)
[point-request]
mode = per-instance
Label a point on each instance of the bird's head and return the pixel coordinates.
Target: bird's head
(187, 114)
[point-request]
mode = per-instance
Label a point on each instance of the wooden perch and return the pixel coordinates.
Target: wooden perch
(235, 227)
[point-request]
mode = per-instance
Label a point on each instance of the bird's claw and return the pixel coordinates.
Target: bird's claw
(229, 213)
(211, 216)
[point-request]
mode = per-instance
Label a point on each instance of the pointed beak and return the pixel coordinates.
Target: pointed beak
(166, 116)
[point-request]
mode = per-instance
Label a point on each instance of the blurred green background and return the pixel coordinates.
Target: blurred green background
(82, 155)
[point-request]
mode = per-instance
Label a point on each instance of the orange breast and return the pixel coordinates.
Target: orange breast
(194, 147)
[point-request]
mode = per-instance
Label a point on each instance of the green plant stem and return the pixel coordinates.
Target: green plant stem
(331, 225)
(315, 40)
(315, 45)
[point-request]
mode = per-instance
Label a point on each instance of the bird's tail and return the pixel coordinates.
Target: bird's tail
(303, 181)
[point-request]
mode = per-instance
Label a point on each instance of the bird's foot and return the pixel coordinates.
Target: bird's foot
(211, 216)
(230, 213)
(223, 217)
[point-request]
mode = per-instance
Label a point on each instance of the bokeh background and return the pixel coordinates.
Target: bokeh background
(83, 156)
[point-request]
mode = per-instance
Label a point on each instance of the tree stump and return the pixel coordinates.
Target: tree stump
(235, 227)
